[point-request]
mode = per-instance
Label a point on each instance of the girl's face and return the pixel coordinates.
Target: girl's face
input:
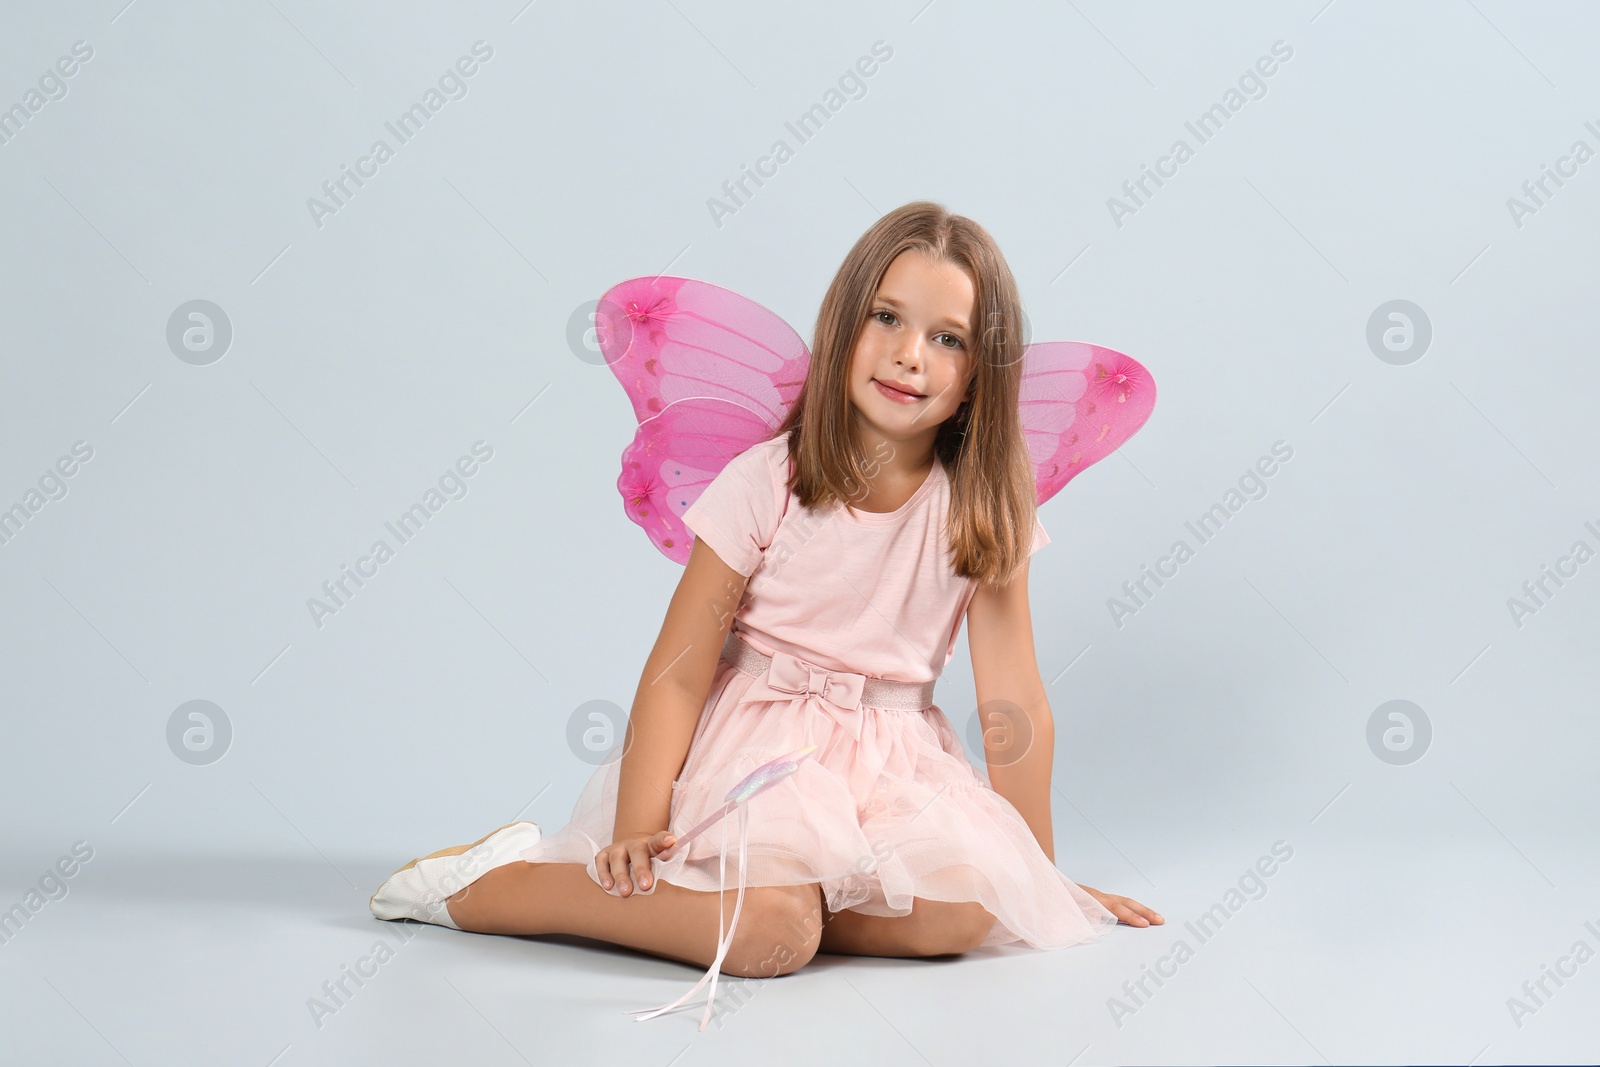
(917, 337)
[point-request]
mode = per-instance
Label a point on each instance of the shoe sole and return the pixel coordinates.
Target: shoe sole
(455, 850)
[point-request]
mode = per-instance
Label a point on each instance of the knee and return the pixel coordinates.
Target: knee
(780, 928)
(953, 927)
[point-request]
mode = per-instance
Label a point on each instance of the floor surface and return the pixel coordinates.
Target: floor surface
(195, 960)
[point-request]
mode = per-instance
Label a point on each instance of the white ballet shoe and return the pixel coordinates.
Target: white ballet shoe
(419, 889)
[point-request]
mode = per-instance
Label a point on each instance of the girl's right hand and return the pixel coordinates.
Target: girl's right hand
(612, 863)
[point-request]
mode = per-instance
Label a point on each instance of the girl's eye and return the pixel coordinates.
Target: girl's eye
(881, 315)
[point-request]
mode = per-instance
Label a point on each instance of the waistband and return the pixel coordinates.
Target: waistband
(799, 676)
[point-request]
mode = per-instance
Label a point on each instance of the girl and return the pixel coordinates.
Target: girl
(831, 569)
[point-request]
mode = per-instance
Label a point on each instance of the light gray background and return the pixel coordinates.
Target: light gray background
(433, 311)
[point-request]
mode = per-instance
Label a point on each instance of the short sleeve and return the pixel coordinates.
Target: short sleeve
(737, 513)
(1040, 538)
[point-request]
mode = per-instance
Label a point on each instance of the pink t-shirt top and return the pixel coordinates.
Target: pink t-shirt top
(872, 593)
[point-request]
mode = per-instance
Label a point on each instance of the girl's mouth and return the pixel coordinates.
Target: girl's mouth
(895, 394)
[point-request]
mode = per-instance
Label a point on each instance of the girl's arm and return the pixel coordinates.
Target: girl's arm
(1020, 748)
(1020, 745)
(673, 689)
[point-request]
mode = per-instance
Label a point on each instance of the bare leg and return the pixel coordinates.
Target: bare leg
(778, 929)
(934, 928)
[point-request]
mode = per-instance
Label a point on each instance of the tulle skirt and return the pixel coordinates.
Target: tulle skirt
(877, 821)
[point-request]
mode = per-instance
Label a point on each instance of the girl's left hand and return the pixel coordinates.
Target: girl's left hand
(1126, 909)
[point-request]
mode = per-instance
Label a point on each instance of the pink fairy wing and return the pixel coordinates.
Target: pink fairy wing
(709, 373)
(1079, 402)
(673, 458)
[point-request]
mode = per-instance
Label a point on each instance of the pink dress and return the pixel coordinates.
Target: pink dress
(889, 808)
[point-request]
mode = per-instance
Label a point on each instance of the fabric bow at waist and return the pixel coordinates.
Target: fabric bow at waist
(791, 678)
(840, 694)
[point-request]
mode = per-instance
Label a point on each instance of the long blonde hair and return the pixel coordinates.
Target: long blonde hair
(992, 494)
